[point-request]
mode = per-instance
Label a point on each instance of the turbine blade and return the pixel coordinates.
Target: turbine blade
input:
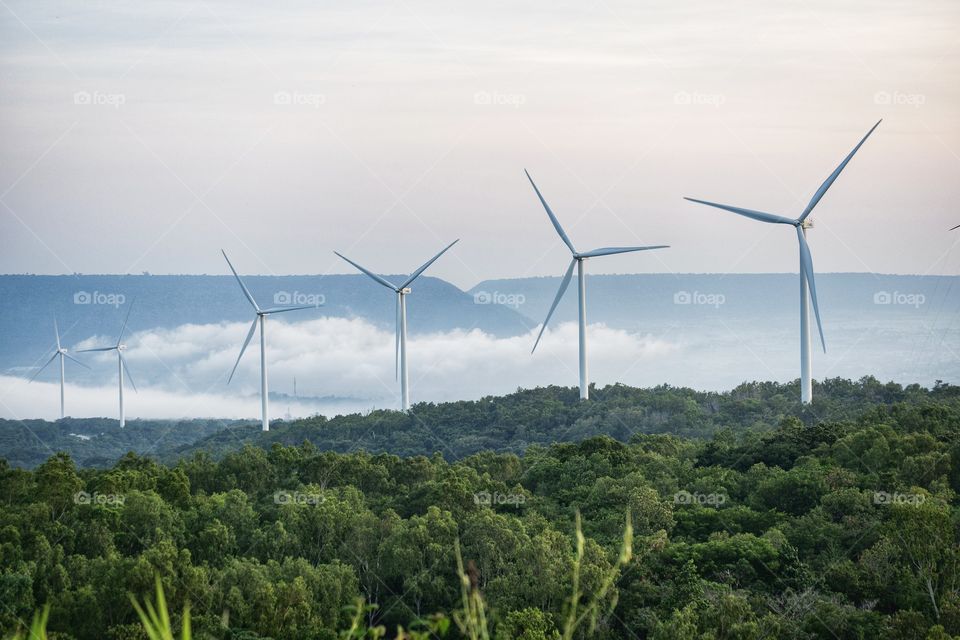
(45, 365)
(608, 251)
(396, 351)
(126, 370)
(282, 309)
(956, 227)
(124, 326)
(750, 213)
(807, 263)
(97, 349)
(563, 288)
(253, 327)
(416, 274)
(833, 176)
(553, 218)
(56, 330)
(246, 291)
(70, 357)
(377, 278)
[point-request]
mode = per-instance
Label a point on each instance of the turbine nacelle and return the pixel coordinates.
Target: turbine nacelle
(405, 290)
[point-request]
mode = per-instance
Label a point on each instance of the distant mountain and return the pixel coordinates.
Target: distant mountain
(638, 301)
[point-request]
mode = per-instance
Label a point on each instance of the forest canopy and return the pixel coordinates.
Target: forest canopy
(751, 517)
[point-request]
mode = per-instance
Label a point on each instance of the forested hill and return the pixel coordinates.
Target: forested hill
(840, 523)
(508, 423)
(555, 414)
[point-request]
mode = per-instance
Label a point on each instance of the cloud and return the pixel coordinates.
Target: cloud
(182, 371)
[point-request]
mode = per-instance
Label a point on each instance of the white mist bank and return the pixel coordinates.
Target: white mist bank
(344, 365)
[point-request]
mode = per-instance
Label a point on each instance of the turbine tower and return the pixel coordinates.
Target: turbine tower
(808, 289)
(62, 353)
(260, 318)
(578, 260)
(122, 366)
(400, 344)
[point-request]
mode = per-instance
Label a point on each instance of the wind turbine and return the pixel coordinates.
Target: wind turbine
(400, 349)
(578, 259)
(808, 289)
(122, 366)
(62, 353)
(261, 319)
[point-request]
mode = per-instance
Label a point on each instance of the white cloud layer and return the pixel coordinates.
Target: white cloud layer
(343, 365)
(182, 372)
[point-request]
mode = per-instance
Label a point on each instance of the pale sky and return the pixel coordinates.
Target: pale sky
(145, 136)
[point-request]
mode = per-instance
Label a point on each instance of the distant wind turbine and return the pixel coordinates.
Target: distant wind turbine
(400, 344)
(122, 366)
(808, 289)
(578, 259)
(62, 353)
(261, 319)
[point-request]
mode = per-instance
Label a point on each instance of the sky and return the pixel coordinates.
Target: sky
(146, 136)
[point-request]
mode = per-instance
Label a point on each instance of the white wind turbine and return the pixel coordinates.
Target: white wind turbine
(400, 347)
(261, 319)
(62, 353)
(808, 289)
(578, 260)
(122, 366)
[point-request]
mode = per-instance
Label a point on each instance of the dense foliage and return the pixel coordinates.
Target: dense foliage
(456, 429)
(100, 442)
(554, 414)
(839, 521)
